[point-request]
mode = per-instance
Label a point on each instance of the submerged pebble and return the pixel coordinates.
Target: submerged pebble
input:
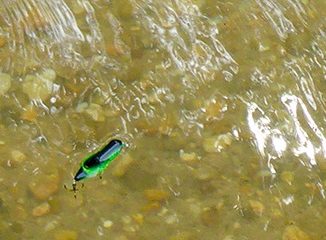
(2, 41)
(188, 157)
(49, 74)
(81, 107)
(93, 110)
(5, 83)
(114, 50)
(96, 112)
(257, 207)
(41, 210)
(217, 143)
(210, 144)
(209, 216)
(194, 207)
(17, 156)
(19, 213)
(190, 53)
(276, 213)
(151, 206)
(122, 166)
(213, 108)
(66, 235)
(45, 187)
(138, 218)
(204, 173)
(107, 223)
(171, 219)
(156, 195)
(121, 237)
(51, 225)
(228, 237)
(39, 86)
(181, 236)
(294, 233)
(29, 114)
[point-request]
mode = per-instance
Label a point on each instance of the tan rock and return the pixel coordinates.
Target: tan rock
(66, 235)
(276, 213)
(138, 218)
(96, 112)
(48, 74)
(257, 207)
(29, 114)
(294, 233)
(210, 144)
(209, 216)
(2, 41)
(18, 156)
(81, 107)
(156, 195)
(228, 237)
(204, 173)
(5, 83)
(122, 165)
(114, 50)
(181, 236)
(151, 206)
(107, 223)
(41, 210)
(188, 157)
(213, 108)
(121, 237)
(44, 187)
(19, 213)
(51, 225)
(217, 143)
(37, 87)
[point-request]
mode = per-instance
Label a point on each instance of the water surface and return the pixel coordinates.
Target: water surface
(221, 102)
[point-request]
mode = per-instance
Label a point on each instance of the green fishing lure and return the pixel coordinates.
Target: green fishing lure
(95, 164)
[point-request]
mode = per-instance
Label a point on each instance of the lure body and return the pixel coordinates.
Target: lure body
(96, 163)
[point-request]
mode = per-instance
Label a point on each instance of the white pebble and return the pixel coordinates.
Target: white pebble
(217, 143)
(171, 219)
(126, 219)
(81, 107)
(107, 223)
(96, 112)
(51, 225)
(48, 74)
(187, 157)
(37, 87)
(18, 156)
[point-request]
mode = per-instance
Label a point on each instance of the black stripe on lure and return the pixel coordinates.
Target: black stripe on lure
(95, 164)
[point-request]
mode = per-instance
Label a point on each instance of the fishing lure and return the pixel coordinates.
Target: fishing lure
(95, 164)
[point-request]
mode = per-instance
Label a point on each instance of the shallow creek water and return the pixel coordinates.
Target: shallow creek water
(222, 104)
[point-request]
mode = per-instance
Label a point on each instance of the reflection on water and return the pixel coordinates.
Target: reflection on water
(222, 104)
